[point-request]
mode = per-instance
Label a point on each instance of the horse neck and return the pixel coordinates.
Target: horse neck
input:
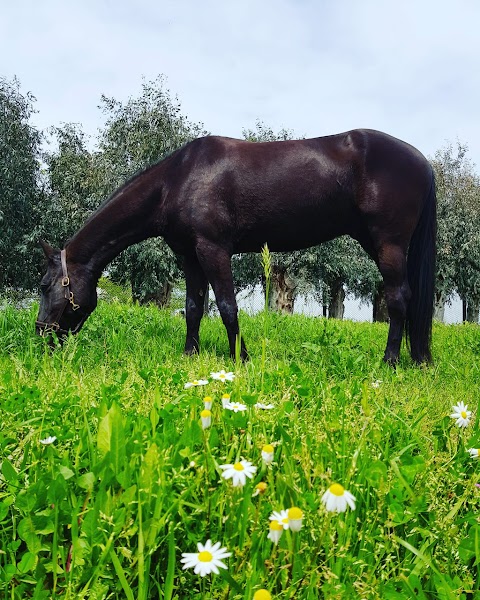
(132, 215)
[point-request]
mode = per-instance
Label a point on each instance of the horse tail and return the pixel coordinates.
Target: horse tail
(421, 279)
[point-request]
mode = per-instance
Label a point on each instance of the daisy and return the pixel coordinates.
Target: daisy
(236, 406)
(267, 454)
(264, 406)
(281, 517)
(262, 595)
(260, 488)
(462, 414)
(222, 376)
(474, 452)
(336, 499)
(295, 517)
(206, 416)
(195, 383)
(377, 383)
(49, 440)
(238, 472)
(206, 560)
(208, 402)
(275, 532)
(225, 400)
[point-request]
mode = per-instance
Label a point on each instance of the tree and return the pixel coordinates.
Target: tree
(458, 238)
(20, 263)
(72, 183)
(138, 133)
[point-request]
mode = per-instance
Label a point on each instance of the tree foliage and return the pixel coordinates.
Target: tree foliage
(458, 238)
(20, 188)
(138, 133)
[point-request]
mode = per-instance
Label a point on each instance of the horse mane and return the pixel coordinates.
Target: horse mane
(133, 178)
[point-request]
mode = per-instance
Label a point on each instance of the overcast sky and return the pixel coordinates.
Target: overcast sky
(409, 68)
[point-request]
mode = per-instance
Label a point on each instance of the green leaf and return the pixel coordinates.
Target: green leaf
(27, 562)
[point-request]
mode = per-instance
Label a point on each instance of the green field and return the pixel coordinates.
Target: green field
(133, 480)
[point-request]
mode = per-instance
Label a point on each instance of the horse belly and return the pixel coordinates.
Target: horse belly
(302, 227)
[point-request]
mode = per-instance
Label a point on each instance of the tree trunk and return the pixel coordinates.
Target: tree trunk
(282, 291)
(472, 312)
(160, 297)
(439, 307)
(336, 307)
(380, 311)
(464, 310)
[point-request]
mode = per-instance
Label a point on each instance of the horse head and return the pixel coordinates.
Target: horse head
(68, 295)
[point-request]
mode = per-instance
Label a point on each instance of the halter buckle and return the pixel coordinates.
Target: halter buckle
(66, 281)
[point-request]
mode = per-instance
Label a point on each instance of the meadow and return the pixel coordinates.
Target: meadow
(133, 478)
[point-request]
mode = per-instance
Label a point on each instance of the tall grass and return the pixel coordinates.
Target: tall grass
(133, 480)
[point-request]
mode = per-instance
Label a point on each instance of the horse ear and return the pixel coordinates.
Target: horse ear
(49, 251)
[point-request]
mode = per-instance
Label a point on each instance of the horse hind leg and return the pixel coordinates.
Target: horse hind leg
(393, 268)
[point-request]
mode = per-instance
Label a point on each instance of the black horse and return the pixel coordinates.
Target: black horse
(218, 196)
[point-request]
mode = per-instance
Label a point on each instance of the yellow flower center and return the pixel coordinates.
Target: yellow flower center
(221, 376)
(295, 513)
(238, 467)
(206, 413)
(276, 526)
(262, 595)
(195, 382)
(268, 448)
(261, 487)
(205, 556)
(226, 397)
(336, 489)
(207, 399)
(464, 414)
(285, 520)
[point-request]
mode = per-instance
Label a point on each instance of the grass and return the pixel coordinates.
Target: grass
(133, 480)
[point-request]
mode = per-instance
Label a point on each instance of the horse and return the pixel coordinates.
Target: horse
(217, 196)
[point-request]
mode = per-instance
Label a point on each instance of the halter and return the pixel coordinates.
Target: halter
(54, 327)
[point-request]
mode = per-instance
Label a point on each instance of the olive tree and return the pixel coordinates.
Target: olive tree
(20, 192)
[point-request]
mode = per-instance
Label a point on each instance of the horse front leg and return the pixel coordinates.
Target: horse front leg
(216, 263)
(196, 284)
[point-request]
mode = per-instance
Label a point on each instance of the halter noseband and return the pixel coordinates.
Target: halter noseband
(46, 328)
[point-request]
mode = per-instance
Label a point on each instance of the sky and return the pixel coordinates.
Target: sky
(408, 68)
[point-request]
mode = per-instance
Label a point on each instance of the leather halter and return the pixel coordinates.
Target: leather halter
(54, 327)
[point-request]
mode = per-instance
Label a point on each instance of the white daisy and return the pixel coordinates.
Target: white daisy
(377, 383)
(336, 499)
(262, 406)
(260, 488)
(267, 454)
(206, 560)
(225, 400)
(207, 401)
(222, 376)
(236, 406)
(49, 440)
(474, 452)
(238, 472)
(275, 532)
(195, 383)
(281, 516)
(295, 518)
(461, 414)
(206, 416)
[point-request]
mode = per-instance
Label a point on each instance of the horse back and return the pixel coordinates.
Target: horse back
(289, 194)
